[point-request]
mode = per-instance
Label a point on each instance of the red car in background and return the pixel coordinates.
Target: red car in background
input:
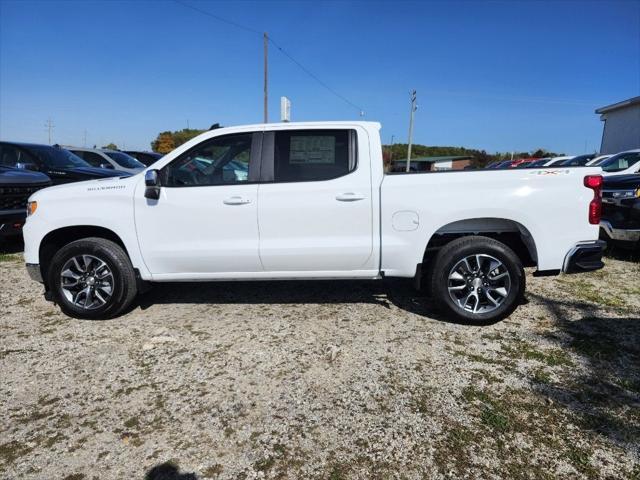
(520, 161)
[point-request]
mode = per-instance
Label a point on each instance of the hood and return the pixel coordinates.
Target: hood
(612, 182)
(14, 176)
(91, 172)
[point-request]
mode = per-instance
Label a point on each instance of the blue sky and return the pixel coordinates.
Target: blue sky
(498, 76)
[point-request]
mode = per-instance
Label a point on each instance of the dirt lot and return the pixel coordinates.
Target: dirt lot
(330, 380)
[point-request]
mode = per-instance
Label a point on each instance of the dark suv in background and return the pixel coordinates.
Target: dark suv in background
(16, 186)
(59, 164)
(621, 210)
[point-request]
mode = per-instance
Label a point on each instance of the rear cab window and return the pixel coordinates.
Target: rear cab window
(309, 155)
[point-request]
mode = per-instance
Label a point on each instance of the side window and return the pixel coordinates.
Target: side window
(220, 161)
(10, 155)
(313, 155)
(92, 159)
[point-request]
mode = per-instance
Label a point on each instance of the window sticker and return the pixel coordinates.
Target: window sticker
(312, 149)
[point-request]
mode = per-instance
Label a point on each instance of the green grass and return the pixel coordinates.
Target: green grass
(10, 257)
(523, 350)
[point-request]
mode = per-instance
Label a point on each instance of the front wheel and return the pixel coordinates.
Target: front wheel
(477, 280)
(92, 278)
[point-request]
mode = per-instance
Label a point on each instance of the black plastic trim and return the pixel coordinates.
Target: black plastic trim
(546, 273)
(586, 257)
(33, 269)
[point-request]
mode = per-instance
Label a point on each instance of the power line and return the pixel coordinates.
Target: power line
(282, 50)
(212, 15)
(308, 72)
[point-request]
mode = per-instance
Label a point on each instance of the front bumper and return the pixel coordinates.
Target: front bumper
(585, 257)
(11, 222)
(620, 234)
(33, 269)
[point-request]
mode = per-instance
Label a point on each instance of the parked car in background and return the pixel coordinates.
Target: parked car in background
(520, 161)
(578, 161)
(555, 161)
(235, 203)
(105, 158)
(597, 161)
(621, 210)
(623, 163)
(60, 165)
(148, 158)
(16, 186)
(537, 164)
(499, 165)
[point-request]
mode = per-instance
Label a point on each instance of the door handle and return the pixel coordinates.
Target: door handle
(350, 197)
(236, 200)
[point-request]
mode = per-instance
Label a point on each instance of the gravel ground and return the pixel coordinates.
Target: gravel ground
(329, 380)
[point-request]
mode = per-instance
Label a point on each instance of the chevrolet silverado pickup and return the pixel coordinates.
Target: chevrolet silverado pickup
(310, 201)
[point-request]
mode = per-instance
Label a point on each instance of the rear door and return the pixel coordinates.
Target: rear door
(315, 202)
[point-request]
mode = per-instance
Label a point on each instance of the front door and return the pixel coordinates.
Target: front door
(315, 202)
(205, 222)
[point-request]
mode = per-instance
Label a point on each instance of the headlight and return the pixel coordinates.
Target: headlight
(31, 208)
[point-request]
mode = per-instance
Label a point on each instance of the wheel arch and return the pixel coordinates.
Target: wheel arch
(510, 232)
(58, 238)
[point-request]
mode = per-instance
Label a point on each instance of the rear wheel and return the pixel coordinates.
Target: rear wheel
(92, 279)
(477, 280)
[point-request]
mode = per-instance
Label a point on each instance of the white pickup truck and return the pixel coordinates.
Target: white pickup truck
(310, 201)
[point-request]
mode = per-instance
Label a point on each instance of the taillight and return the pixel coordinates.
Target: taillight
(594, 182)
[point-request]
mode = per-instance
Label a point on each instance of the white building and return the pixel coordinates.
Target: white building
(621, 126)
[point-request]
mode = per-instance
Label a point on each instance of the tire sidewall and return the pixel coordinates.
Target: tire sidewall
(86, 247)
(479, 247)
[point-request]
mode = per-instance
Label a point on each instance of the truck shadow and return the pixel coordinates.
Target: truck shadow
(397, 292)
(168, 471)
(603, 393)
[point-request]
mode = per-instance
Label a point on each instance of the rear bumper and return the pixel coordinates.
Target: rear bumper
(585, 257)
(620, 234)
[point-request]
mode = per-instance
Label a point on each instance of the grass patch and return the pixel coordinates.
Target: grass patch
(10, 257)
(213, 470)
(495, 418)
(541, 376)
(11, 451)
(581, 461)
(523, 350)
(586, 291)
(264, 464)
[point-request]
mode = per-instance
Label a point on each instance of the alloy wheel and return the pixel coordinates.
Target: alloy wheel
(479, 283)
(87, 282)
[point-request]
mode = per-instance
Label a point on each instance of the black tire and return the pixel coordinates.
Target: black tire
(450, 256)
(124, 287)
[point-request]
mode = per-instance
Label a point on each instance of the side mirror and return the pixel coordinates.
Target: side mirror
(27, 166)
(107, 165)
(152, 181)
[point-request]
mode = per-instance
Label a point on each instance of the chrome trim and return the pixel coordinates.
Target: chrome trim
(620, 234)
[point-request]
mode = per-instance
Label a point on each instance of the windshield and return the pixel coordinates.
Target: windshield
(59, 158)
(620, 162)
(125, 160)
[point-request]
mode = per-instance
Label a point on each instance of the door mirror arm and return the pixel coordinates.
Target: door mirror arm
(153, 184)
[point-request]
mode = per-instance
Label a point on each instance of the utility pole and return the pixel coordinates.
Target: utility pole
(49, 125)
(84, 138)
(413, 109)
(391, 149)
(266, 85)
